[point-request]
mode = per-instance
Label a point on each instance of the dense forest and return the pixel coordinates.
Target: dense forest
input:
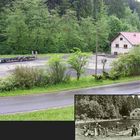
(50, 26)
(105, 107)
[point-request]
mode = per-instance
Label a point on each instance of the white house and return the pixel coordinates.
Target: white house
(124, 42)
(135, 114)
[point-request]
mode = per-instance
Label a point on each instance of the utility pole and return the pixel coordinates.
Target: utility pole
(94, 15)
(96, 53)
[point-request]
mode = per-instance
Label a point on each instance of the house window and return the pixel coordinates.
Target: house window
(115, 53)
(125, 46)
(117, 45)
(133, 114)
(121, 38)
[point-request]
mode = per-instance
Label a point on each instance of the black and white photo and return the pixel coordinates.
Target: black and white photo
(107, 117)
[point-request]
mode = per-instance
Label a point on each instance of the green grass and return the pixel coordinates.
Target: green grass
(73, 84)
(65, 114)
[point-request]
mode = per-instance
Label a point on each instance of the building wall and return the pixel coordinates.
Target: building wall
(120, 49)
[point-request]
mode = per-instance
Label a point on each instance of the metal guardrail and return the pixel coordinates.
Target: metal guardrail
(17, 59)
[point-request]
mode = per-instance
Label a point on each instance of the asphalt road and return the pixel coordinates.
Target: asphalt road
(44, 101)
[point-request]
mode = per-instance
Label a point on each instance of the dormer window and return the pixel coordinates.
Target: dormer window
(121, 38)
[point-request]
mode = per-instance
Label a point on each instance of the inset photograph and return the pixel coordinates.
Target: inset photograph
(107, 117)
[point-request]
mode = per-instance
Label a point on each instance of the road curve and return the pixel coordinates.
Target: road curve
(10, 105)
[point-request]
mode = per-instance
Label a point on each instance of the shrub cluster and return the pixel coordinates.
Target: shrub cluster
(57, 71)
(7, 84)
(112, 75)
(28, 77)
(127, 65)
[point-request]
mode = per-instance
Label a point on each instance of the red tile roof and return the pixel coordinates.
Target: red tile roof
(132, 37)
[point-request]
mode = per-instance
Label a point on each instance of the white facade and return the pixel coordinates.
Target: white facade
(135, 114)
(120, 45)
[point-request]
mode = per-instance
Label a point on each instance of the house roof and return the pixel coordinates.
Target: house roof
(136, 109)
(132, 37)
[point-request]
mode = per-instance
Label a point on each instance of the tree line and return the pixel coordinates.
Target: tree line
(84, 7)
(61, 25)
(105, 106)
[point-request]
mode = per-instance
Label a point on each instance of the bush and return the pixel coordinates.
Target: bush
(106, 75)
(57, 71)
(113, 75)
(27, 77)
(43, 78)
(127, 65)
(7, 84)
(98, 77)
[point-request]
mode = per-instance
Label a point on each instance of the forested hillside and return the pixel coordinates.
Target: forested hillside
(60, 25)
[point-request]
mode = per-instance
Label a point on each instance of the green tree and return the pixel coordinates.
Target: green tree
(132, 19)
(83, 8)
(87, 31)
(115, 25)
(26, 25)
(77, 62)
(102, 28)
(116, 7)
(4, 3)
(17, 32)
(69, 35)
(64, 6)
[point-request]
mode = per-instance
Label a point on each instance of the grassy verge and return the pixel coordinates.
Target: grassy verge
(65, 114)
(73, 84)
(39, 55)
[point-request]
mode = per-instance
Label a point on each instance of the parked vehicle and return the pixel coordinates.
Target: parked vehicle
(17, 59)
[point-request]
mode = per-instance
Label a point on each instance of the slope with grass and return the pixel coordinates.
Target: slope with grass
(66, 113)
(73, 84)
